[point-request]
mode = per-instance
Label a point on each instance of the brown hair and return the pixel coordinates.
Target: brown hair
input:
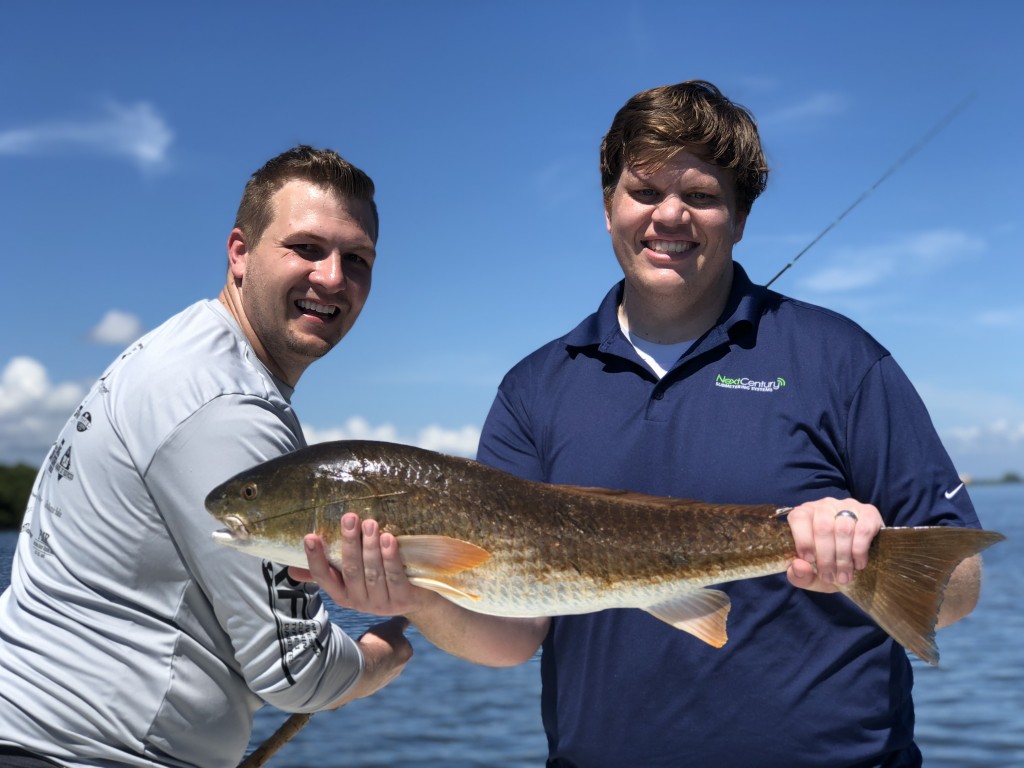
(655, 125)
(321, 167)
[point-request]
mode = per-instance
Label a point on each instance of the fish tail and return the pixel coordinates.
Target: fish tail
(903, 584)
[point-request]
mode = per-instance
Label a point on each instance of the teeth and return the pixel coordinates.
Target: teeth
(314, 307)
(669, 246)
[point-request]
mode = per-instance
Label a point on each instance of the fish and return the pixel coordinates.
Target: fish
(501, 545)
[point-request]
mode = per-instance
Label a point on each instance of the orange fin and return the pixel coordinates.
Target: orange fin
(907, 572)
(434, 556)
(445, 590)
(702, 613)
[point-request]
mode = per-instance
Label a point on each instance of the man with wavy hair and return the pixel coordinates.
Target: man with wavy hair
(691, 381)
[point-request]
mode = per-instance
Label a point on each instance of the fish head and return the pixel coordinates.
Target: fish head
(268, 509)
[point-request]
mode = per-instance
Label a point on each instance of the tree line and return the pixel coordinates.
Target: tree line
(15, 488)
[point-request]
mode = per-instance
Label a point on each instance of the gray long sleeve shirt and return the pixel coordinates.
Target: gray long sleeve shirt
(127, 635)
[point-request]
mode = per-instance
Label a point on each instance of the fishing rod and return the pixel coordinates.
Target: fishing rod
(935, 130)
(280, 737)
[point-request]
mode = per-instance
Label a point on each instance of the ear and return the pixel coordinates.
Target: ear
(238, 252)
(607, 218)
(738, 226)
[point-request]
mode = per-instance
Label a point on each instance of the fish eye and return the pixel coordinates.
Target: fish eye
(250, 491)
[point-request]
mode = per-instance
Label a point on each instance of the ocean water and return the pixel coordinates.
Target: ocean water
(446, 713)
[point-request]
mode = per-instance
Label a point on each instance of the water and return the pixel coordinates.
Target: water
(446, 713)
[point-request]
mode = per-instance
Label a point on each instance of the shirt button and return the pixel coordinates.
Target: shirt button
(659, 395)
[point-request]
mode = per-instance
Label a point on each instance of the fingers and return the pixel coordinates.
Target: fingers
(371, 577)
(832, 539)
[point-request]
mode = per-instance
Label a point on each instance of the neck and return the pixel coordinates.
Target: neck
(231, 298)
(676, 317)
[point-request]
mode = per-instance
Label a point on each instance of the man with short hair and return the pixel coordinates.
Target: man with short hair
(692, 382)
(127, 635)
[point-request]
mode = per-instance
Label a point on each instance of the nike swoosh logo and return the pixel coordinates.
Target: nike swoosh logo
(954, 492)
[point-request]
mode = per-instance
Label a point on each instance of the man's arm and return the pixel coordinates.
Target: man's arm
(373, 580)
(962, 591)
(386, 650)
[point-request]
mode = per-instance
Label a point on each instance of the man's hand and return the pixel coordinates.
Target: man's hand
(372, 580)
(832, 538)
(372, 577)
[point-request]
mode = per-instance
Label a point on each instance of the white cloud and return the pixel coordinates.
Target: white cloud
(32, 410)
(459, 442)
(116, 328)
(814, 106)
(987, 451)
(1004, 317)
(136, 131)
(851, 269)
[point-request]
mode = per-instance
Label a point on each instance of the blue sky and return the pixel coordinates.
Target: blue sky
(128, 130)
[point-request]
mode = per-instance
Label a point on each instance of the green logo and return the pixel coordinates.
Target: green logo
(749, 384)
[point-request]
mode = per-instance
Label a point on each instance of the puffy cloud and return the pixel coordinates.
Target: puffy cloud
(116, 328)
(136, 131)
(458, 442)
(32, 410)
(987, 451)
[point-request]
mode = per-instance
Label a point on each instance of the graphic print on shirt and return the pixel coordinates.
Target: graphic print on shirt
(63, 464)
(288, 596)
(83, 419)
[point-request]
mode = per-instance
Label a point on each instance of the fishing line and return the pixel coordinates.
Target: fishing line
(936, 129)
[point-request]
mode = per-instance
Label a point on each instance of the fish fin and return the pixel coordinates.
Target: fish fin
(769, 510)
(430, 555)
(445, 590)
(701, 613)
(908, 569)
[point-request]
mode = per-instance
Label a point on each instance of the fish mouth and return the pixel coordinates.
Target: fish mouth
(236, 530)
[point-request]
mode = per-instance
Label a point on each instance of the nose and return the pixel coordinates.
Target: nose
(328, 273)
(670, 210)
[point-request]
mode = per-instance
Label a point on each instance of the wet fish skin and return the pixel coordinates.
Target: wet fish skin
(501, 545)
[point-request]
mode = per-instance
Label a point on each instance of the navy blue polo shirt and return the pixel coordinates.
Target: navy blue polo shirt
(781, 402)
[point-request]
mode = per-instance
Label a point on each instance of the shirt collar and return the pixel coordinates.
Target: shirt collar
(739, 319)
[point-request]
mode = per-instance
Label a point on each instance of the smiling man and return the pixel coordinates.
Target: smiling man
(693, 382)
(127, 636)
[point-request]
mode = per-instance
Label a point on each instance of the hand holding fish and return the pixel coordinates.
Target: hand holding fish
(367, 552)
(372, 578)
(832, 538)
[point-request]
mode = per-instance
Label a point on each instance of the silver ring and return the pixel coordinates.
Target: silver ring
(846, 513)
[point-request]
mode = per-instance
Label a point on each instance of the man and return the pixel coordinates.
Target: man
(127, 636)
(690, 381)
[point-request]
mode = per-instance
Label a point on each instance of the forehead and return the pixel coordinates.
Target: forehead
(684, 166)
(302, 205)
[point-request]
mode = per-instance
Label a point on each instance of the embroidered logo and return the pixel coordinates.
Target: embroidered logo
(750, 385)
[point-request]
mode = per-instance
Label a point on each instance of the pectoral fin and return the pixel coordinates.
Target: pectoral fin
(702, 614)
(445, 590)
(433, 556)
